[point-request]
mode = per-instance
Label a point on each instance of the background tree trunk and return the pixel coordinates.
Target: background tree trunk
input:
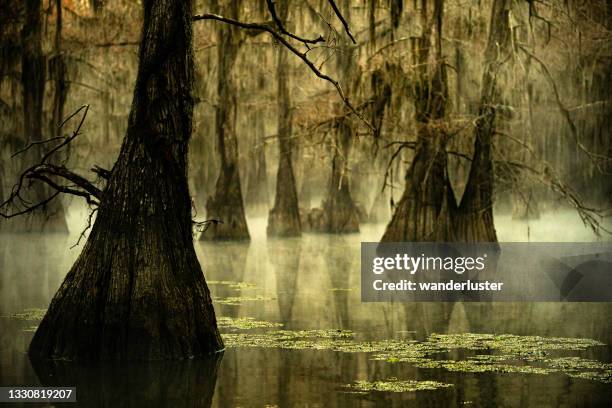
(424, 212)
(227, 204)
(474, 221)
(340, 213)
(57, 67)
(257, 197)
(339, 210)
(49, 218)
(137, 290)
(284, 218)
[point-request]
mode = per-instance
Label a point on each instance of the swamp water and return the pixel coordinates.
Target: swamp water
(297, 334)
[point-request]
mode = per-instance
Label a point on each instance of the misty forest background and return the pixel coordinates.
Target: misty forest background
(444, 110)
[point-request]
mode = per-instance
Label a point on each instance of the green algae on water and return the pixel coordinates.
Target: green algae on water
(238, 300)
(30, 314)
(244, 323)
(394, 385)
(288, 339)
(512, 344)
(233, 284)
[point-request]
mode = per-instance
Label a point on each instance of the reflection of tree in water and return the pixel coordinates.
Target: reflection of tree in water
(187, 383)
(340, 264)
(285, 255)
(226, 261)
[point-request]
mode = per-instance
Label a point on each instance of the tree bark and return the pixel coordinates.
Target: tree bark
(137, 291)
(284, 217)
(226, 204)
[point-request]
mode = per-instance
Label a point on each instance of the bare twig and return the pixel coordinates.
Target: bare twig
(332, 3)
(202, 226)
(302, 55)
(44, 171)
(599, 159)
(283, 30)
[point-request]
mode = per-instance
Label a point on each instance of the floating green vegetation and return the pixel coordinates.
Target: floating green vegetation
(30, 314)
(244, 323)
(482, 366)
(233, 284)
(603, 377)
(508, 353)
(578, 367)
(394, 385)
(289, 339)
(516, 351)
(238, 300)
(526, 346)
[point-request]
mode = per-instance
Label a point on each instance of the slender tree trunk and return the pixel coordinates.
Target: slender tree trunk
(340, 213)
(58, 73)
(137, 290)
(424, 212)
(49, 218)
(284, 218)
(474, 221)
(525, 204)
(227, 204)
(257, 198)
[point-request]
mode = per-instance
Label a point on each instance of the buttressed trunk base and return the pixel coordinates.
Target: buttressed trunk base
(137, 291)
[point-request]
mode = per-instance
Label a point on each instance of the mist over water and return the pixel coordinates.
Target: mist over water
(302, 283)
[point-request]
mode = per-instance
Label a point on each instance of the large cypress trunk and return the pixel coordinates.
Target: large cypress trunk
(49, 218)
(137, 290)
(424, 213)
(284, 218)
(474, 221)
(227, 204)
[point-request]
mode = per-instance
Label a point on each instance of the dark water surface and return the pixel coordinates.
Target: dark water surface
(303, 284)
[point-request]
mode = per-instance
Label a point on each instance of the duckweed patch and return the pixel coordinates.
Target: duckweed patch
(515, 345)
(394, 385)
(508, 353)
(293, 340)
(244, 323)
(238, 300)
(30, 314)
(233, 284)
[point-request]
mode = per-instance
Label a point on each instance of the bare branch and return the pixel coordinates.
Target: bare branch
(105, 174)
(342, 20)
(89, 224)
(294, 50)
(599, 159)
(44, 172)
(283, 30)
